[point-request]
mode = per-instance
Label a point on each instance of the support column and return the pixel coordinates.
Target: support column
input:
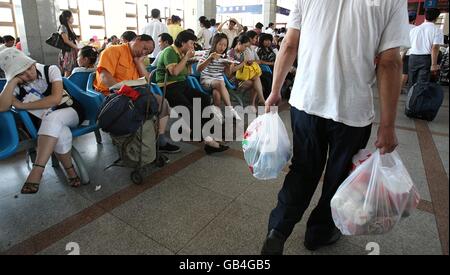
(37, 20)
(269, 12)
(206, 8)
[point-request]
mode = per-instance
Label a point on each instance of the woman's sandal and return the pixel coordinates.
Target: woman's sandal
(30, 188)
(76, 181)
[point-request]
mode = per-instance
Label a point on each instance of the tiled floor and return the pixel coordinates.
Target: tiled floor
(201, 204)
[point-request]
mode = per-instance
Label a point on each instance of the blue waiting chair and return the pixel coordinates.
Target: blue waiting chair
(194, 81)
(90, 86)
(2, 84)
(153, 84)
(91, 104)
(9, 138)
(80, 79)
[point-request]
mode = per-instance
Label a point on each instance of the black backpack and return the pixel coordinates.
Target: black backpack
(424, 101)
(121, 116)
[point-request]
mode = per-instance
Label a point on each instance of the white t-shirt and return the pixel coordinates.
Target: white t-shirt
(424, 37)
(204, 38)
(340, 40)
(411, 26)
(155, 28)
(231, 34)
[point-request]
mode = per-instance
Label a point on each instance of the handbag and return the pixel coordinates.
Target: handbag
(249, 72)
(56, 40)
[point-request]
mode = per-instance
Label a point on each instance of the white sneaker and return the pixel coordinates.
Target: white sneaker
(217, 114)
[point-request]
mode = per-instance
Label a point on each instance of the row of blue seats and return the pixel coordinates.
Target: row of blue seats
(80, 86)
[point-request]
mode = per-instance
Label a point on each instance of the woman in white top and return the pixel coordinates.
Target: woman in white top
(238, 52)
(204, 36)
(39, 90)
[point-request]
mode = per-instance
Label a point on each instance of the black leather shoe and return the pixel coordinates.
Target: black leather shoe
(274, 244)
(211, 150)
(314, 244)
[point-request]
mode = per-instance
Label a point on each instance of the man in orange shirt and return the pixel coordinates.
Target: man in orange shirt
(126, 62)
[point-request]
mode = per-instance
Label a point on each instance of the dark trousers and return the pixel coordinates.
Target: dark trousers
(180, 94)
(419, 69)
(316, 138)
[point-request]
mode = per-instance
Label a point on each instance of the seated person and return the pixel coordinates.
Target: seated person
(212, 71)
(87, 60)
(125, 62)
(27, 88)
(127, 37)
(265, 51)
(239, 52)
(175, 60)
(164, 41)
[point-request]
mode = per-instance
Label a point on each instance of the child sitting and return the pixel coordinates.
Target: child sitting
(212, 70)
(87, 60)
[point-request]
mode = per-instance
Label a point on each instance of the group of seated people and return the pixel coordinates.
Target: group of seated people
(32, 86)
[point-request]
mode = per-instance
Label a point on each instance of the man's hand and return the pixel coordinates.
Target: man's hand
(273, 100)
(190, 54)
(387, 140)
(435, 69)
(139, 60)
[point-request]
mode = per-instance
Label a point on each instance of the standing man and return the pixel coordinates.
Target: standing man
(154, 29)
(426, 41)
(233, 31)
(332, 113)
(406, 53)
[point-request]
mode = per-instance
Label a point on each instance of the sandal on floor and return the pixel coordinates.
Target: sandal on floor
(30, 188)
(73, 182)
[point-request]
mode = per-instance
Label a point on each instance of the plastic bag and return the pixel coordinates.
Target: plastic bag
(267, 148)
(376, 196)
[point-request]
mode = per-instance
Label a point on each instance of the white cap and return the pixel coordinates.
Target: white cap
(14, 62)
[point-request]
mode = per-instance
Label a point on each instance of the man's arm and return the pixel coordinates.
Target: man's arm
(175, 70)
(219, 29)
(285, 59)
(434, 58)
(388, 75)
(139, 62)
(107, 78)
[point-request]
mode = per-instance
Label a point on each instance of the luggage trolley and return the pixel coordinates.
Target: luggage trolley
(160, 160)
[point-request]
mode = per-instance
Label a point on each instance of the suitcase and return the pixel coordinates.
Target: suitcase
(424, 101)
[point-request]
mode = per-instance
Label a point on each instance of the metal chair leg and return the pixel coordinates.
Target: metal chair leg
(98, 137)
(83, 173)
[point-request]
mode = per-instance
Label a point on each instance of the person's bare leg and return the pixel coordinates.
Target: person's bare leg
(257, 85)
(217, 99)
(224, 94)
(45, 148)
(163, 125)
(66, 161)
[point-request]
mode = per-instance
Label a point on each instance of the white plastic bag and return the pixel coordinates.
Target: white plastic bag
(376, 196)
(266, 145)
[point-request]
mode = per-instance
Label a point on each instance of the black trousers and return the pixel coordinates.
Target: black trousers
(419, 69)
(180, 94)
(316, 138)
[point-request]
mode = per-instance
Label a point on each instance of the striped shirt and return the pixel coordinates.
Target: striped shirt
(215, 69)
